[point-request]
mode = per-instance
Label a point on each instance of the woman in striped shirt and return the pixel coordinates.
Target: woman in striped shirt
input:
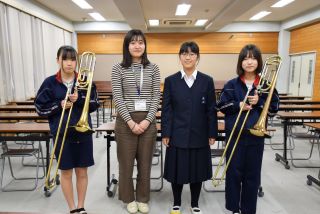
(136, 92)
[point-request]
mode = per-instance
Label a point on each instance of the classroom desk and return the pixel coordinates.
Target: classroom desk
(35, 131)
(311, 179)
(292, 97)
(21, 116)
(299, 102)
(18, 108)
(290, 119)
(27, 102)
(108, 128)
(306, 107)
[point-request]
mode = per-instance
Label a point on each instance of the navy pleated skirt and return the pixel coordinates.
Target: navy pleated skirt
(77, 152)
(183, 166)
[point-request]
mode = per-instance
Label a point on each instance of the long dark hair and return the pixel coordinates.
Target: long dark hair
(67, 52)
(254, 52)
(133, 35)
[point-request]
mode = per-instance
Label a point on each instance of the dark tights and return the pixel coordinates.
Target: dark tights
(195, 193)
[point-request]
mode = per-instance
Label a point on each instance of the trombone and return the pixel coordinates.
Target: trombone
(267, 82)
(83, 82)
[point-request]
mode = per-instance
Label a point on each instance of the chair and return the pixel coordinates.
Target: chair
(313, 139)
(9, 153)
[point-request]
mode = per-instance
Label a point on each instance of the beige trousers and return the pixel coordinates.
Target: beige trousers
(129, 148)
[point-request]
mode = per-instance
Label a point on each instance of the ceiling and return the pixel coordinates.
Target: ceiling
(136, 13)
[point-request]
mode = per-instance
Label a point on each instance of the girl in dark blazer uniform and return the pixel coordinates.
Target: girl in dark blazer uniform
(189, 127)
(77, 152)
(243, 174)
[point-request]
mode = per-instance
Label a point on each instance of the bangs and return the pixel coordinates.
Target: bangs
(252, 54)
(136, 38)
(68, 54)
(189, 47)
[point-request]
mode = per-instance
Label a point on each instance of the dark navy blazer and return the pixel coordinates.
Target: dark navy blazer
(189, 116)
(49, 97)
(233, 93)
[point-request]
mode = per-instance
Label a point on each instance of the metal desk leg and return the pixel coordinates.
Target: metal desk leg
(311, 180)
(113, 181)
(284, 157)
(103, 113)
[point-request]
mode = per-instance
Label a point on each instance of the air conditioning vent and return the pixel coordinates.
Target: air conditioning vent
(177, 22)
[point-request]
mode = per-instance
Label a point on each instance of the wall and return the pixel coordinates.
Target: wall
(308, 39)
(219, 66)
(219, 51)
(165, 43)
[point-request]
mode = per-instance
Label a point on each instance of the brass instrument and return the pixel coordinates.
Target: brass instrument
(267, 82)
(84, 82)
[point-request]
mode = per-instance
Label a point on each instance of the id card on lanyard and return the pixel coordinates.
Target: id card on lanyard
(139, 104)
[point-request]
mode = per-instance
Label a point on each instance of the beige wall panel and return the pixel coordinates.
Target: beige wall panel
(219, 66)
(169, 43)
(308, 39)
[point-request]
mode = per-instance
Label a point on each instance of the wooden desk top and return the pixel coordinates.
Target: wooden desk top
(111, 125)
(299, 115)
(24, 128)
(292, 97)
(307, 107)
(27, 102)
(313, 125)
(21, 116)
(158, 115)
(300, 102)
(18, 108)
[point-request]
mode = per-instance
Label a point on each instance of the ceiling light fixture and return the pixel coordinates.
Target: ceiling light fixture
(182, 9)
(260, 15)
(201, 22)
(154, 22)
(282, 3)
(82, 4)
(97, 16)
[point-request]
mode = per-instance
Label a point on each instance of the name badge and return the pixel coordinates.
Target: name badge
(140, 105)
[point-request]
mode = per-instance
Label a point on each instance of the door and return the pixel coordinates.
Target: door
(295, 65)
(307, 74)
(302, 68)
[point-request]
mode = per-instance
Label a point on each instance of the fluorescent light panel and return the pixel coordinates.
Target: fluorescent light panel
(182, 9)
(282, 3)
(82, 4)
(260, 15)
(201, 22)
(97, 16)
(154, 22)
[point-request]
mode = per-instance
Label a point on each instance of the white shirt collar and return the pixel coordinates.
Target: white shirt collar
(194, 74)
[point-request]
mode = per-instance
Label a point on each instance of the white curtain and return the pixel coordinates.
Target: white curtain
(6, 92)
(28, 49)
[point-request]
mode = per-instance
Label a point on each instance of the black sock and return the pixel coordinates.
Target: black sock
(176, 190)
(195, 193)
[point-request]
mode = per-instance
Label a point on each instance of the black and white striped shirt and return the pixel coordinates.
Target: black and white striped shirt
(124, 89)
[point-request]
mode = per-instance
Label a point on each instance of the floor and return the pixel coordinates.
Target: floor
(285, 191)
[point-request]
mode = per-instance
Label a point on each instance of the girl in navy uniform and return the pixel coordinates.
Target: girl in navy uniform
(243, 174)
(78, 149)
(189, 127)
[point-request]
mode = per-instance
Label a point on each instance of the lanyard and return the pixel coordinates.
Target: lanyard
(139, 88)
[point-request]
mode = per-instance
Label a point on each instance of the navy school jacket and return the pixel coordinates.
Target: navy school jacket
(233, 93)
(189, 116)
(48, 103)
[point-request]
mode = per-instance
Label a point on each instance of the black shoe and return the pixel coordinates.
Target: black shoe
(82, 211)
(74, 211)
